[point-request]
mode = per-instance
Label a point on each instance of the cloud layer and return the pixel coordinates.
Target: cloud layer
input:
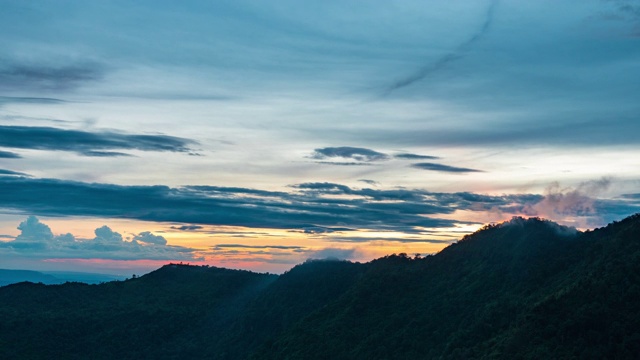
(9, 155)
(348, 152)
(21, 76)
(308, 206)
(443, 168)
(87, 143)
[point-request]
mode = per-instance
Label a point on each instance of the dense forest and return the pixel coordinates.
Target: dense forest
(526, 289)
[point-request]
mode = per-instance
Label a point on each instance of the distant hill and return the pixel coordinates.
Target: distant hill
(525, 289)
(14, 276)
(53, 277)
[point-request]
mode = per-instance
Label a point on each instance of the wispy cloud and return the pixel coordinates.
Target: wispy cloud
(369, 182)
(9, 155)
(28, 100)
(443, 168)
(187, 227)
(105, 154)
(88, 143)
(348, 152)
(625, 11)
(449, 57)
(240, 246)
(366, 239)
(580, 204)
(21, 76)
(408, 156)
(343, 163)
(11, 173)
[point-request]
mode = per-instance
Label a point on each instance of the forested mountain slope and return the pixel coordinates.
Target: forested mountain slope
(527, 288)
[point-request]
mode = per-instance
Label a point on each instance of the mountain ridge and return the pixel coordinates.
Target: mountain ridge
(526, 288)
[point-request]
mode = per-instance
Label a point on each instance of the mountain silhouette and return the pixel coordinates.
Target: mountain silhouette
(525, 288)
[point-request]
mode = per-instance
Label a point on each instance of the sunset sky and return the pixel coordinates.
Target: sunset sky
(258, 134)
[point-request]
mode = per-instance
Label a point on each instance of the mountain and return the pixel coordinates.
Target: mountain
(526, 288)
(53, 277)
(14, 276)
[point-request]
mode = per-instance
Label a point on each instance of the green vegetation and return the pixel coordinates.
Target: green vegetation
(527, 289)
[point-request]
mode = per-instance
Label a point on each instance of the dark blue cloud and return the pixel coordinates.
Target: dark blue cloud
(325, 187)
(348, 152)
(631, 196)
(369, 181)
(406, 156)
(443, 168)
(21, 76)
(310, 206)
(104, 154)
(87, 143)
(28, 100)
(5, 172)
(313, 208)
(187, 227)
(9, 155)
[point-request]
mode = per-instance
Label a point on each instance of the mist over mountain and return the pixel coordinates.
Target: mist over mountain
(526, 288)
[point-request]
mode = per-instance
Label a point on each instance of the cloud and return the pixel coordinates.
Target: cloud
(38, 241)
(187, 227)
(32, 77)
(33, 230)
(580, 203)
(149, 238)
(359, 239)
(583, 127)
(443, 168)
(406, 156)
(36, 236)
(310, 206)
(105, 154)
(625, 10)
(448, 58)
(28, 100)
(324, 229)
(9, 155)
(347, 152)
(203, 205)
(87, 143)
(370, 182)
(281, 247)
(342, 163)
(5, 172)
(333, 254)
(325, 187)
(105, 234)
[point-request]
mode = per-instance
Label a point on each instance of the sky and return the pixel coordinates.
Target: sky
(259, 134)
